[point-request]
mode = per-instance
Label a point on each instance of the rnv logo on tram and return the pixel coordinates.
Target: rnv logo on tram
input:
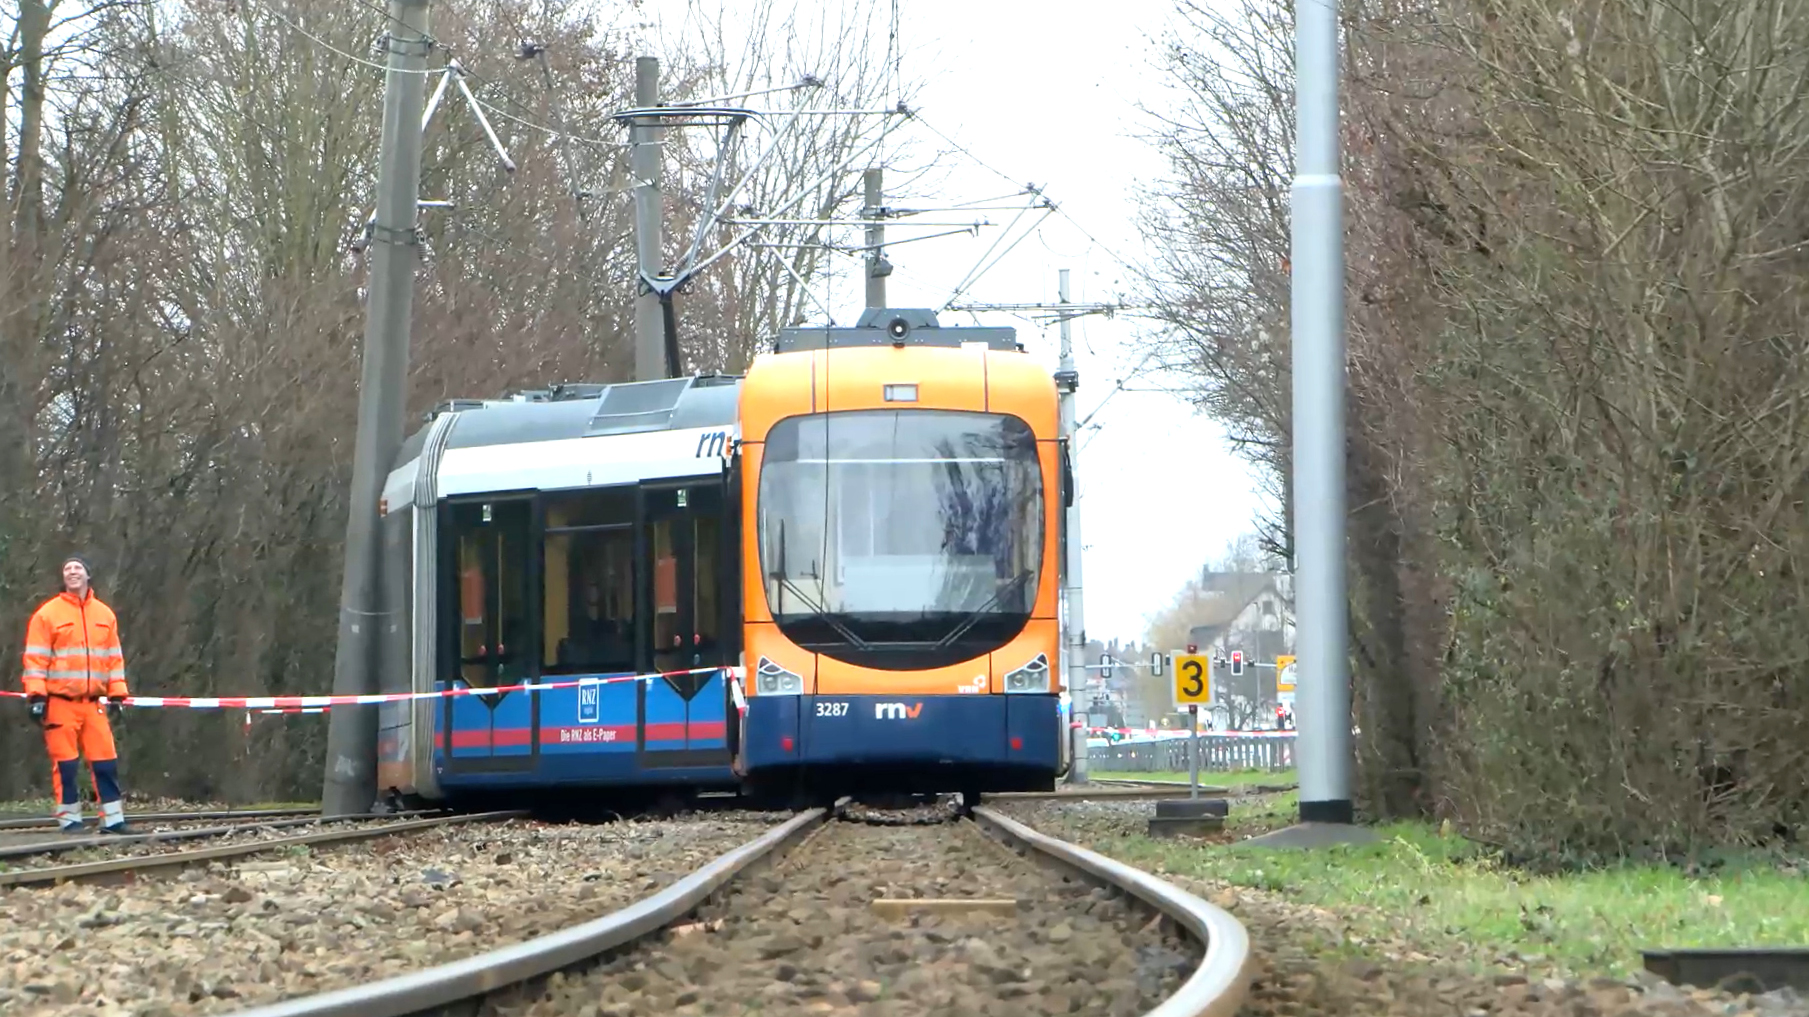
(896, 711)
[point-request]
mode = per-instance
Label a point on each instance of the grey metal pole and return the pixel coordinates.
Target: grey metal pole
(874, 181)
(1193, 752)
(1318, 361)
(1067, 382)
(644, 162)
(351, 774)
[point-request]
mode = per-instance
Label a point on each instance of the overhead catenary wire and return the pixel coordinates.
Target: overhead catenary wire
(353, 57)
(985, 265)
(556, 131)
(1001, 174)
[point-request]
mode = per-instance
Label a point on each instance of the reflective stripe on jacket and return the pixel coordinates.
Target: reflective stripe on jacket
(72, 649)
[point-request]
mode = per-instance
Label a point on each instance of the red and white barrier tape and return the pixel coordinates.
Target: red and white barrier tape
(1171, 734)
(288, 703)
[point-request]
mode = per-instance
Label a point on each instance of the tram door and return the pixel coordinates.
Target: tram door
(688, 624)
(488, 622)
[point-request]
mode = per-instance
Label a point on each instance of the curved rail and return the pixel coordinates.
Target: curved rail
(132, 865)
(218, 815)
(68, 843)
(1216, 989)
(1218, 986)
(478, 976)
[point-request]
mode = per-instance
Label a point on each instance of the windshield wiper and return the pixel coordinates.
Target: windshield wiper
(974, 616)
(829, 619)
(780, 574)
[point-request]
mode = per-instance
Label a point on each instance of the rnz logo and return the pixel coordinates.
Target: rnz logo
(896, 711)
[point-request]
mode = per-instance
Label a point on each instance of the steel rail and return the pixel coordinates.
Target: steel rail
(1772, 968)
(1104, 793)
(1218, 986)
(135, 864)
(1215, 989)
(51, 823)
(1248, 789)
(72, 843)
(458, 983)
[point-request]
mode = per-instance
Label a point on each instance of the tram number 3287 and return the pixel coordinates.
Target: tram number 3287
(832, 709)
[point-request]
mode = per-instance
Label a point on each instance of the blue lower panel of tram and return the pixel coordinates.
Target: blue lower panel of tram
(598, 733)
(1018, 732)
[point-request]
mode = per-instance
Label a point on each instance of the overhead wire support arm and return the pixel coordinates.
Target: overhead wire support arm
(729, 137)
(749, 221)
(655, 316)
(807, 81)
(1053, 313)
(842, 167)
(723, 113)
(457, 73)
(829, 113)
(971, 231)
(451, 74)
(433, 102)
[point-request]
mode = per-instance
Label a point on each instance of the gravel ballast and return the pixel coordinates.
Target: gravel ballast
(276, 925)
(804, 938)
(1304, 965)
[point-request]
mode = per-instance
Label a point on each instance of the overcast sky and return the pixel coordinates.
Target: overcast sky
(1048, 93)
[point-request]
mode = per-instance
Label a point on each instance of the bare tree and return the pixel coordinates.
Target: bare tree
(180, 311)
(836, 103)
(1573, 320)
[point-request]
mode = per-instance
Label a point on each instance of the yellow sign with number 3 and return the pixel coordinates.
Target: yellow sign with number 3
(1193, 679)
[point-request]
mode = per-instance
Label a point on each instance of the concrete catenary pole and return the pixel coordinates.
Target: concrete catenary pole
(644, 163)
(1323, 708)
(873, 180)
(351, 775)
(1067, 381)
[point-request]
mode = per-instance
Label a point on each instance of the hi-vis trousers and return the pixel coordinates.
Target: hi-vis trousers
(74, 728)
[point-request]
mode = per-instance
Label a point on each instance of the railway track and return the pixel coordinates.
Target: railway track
(1171, 786)
(156, 833)
(35, 823)
(830, 908)
(144, 853)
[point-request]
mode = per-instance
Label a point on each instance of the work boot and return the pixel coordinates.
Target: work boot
(75, 827)
(118, 828)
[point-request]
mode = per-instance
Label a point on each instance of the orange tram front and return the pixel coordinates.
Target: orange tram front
(902, 505)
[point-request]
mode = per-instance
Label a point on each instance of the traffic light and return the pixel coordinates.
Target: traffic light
(1237, 662)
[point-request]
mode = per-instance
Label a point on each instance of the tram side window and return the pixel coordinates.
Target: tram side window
(494, 642)
(589, 594)
(666, 638)
(708, 563)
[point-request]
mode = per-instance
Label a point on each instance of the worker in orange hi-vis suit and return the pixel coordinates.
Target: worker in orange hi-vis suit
(75, 675)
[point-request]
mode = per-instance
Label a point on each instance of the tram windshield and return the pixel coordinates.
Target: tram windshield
(901, 539)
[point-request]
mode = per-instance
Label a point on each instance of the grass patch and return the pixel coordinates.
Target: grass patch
(1220, 778)
(1438, 893)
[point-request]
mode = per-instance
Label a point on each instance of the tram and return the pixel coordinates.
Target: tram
(903, 512)
(576, 537)
(839, 573)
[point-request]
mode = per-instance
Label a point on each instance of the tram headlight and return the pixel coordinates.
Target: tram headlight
(772, 680)
(1032, 677)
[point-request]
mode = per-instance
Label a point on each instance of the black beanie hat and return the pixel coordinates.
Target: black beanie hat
(75, 557)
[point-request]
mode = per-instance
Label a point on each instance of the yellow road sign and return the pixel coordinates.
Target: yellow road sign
(1284, 674)
(1193, 679)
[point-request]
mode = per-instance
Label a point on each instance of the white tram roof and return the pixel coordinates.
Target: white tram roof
(575, 436)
